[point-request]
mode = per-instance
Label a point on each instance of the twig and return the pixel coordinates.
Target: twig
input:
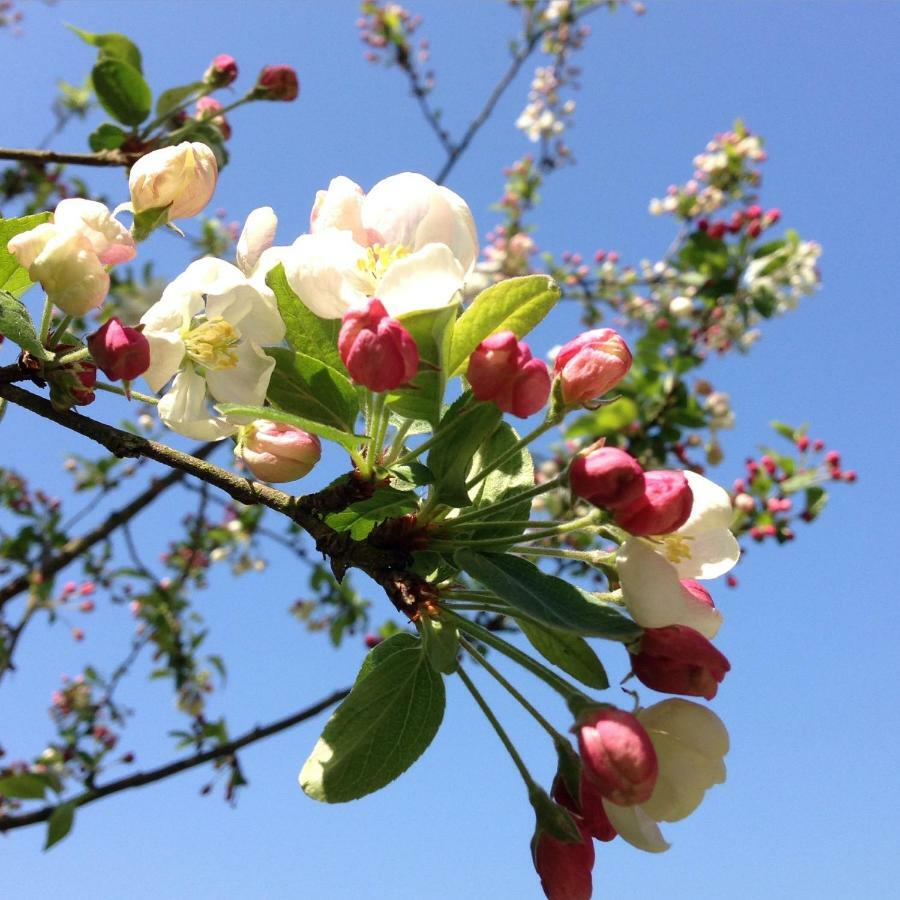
(139, 779)
(43, 157)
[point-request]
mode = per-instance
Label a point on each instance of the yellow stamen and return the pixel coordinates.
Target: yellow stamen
(676, 548)
(379, 258)
(211, 344)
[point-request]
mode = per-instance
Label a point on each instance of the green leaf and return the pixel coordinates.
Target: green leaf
(59, 824)
(704, 254)
(432, 330)
(361, 517)
(570, 652)
(465, 425)
(106, 137)
(413, 473)
(440, 640)
(380, 729)
(16, 324)
(350, 441)
(786, 431)
(147, 220)
(176, 96)
(799, 482)
(122, 91)
(306, 332)
(112, 46)
(13, 277)
(553, 818)
(516, 304)
(608, 420)
(307, 387)
(545, 598)
(816, 498)
(24, 786)
(403, 640)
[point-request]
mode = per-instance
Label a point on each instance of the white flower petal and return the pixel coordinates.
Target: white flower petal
(166, 354)
(110, 239)
(256, 237)
(174, 310)
(711, 507)
(396, 206)
(245, 383)
(713, 553)
(323, 271)
(427, 279)
(654, 594)
(636, 827)
(449, 221)
(339, 207)
(184, 409)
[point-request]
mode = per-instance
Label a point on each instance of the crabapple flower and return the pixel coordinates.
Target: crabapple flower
(591, 364)
(651, 569)
(606, 477)
(120, 352)
(109, 238)
(276, 452)
(564, 868)
(180, 178)
(502, 370)
(378, 351)
(64, 262)
(663, 506)
(409, 242)
(207, 330)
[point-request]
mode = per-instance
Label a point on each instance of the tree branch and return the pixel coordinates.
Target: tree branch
(43, 157)
(139, 779)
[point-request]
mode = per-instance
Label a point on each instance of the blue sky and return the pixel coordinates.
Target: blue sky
(810, 807)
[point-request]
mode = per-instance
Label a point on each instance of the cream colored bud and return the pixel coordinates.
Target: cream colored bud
(181, 178)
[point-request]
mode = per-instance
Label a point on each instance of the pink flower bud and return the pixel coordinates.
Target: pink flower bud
(664, 506)
(72, 385)
(120, 352)
(207, 109)
(222, 71)
(592, 364)
(564, 868)
(679, 660)
(502, 370)
(377, 350)
(182, 178)
(618, 755)
(276, 452)
(277, 83)
(607, 477)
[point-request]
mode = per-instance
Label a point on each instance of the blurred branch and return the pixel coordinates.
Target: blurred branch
(44, 157)
(139, 779)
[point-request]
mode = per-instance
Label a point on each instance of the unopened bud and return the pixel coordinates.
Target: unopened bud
(276, 452)
(378, 351)
(208, 109)
(222, 71)
(607, 477)
(120, 352)
(592, 364)
(72, 385)
(664, 506)
(564, 868)
(181, 178)
(589, 807)
(502, 370)
(277, 83)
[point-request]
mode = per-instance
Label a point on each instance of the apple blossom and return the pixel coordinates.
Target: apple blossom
(109, 238)
(276, 452)
(409, 242)
(120, 352)
(180, 178)
(606, 477)
(663, 506)
(564, 868)
(502, 370)
(591, 364)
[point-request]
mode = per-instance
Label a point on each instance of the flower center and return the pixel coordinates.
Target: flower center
(676, 548)
(379, 257)
(211, 344)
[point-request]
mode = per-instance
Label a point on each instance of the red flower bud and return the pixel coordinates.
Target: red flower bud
(120, 352)
(502, 371)
(590, 809)
(377, 350)
(222, 71)
(664, 506)
(592, 364)
(607, 477)
(277, 83)
(679, 660)
(564, 869)
(618, 755)
(72, 385)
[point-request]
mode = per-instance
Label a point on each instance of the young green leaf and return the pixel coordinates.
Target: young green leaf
(545, 598)
(307, 387)
(176, 96)
(570, 652)
(16, 324)
(344, 438)
(305, 331)
(440, 640)
(59, 824)
(361, 517)
(13, 277)
(380, 729)
(106, 137)
(516, 304)
(122, 91)
(24, 786)
(112, 46)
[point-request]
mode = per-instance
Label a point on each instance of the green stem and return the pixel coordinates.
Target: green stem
(591, 557)
(501, 523)
(530, 783)
(510, 501)
(135, 395)
(546, 425)
(74, 356)
(60, 330)
(438, 436)
(397, 443)
(46, 318)
(574, 525)
(382, 418)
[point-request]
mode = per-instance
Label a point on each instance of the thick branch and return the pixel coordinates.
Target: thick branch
(139, 779)
(77, 546)
(43, 157)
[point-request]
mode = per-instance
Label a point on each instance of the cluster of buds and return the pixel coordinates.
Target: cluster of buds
(503, 371)
(752, 221)
(388, 31)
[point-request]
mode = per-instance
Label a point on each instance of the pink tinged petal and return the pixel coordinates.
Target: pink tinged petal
(109, 238)
(339, 207)
(636, 827)
(322, 269)
(654, 595)
(430, 278)
(396, 206)
(70, 272)
(26, 247)
(245, 383)
(713, 553)
(256, 237)
(166, 354)
(184, 409)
